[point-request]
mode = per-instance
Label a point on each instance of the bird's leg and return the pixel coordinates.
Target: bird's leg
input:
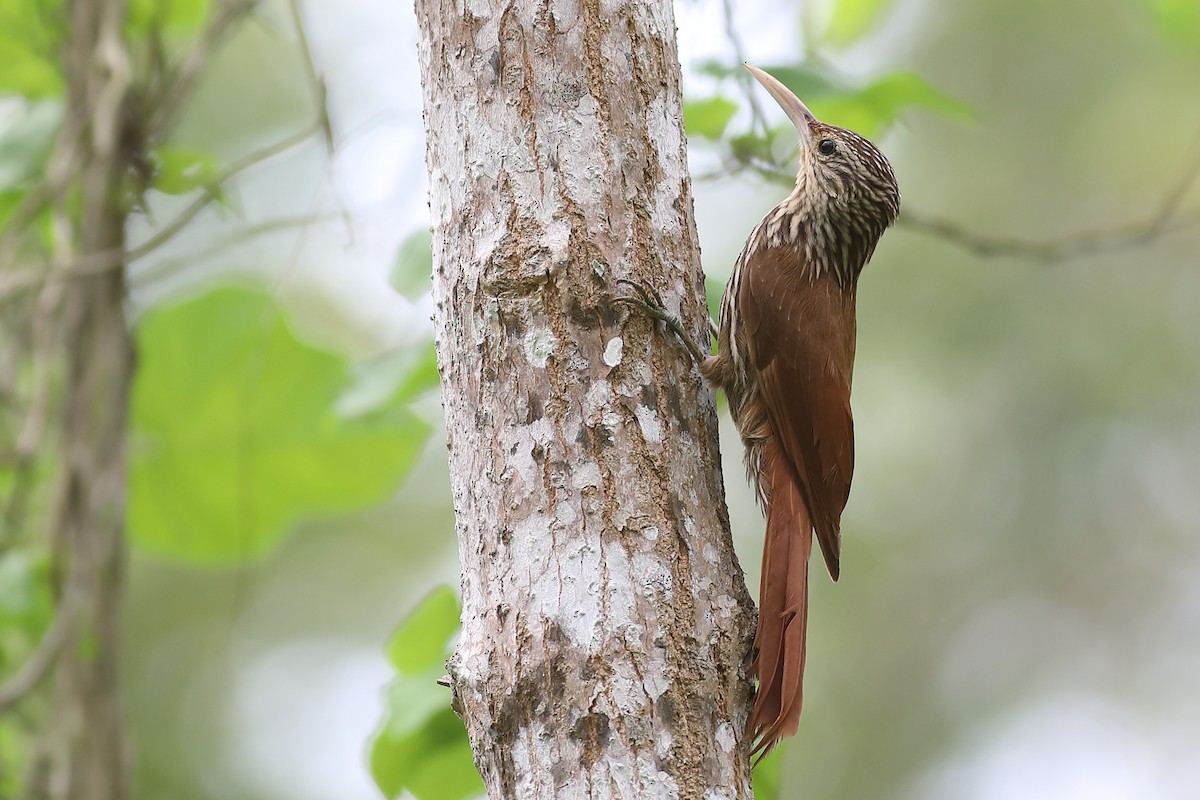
(651, 303)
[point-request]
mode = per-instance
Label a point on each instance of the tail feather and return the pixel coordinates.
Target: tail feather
(782, 608)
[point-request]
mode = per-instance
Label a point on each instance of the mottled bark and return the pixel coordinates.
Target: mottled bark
(605, 620)
(82, 753)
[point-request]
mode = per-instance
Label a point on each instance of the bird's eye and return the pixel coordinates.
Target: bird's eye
(827, 147)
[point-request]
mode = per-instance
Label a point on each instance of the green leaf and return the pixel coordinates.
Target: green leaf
(30, 48)
(181, 170)
(390, 379)
(26, 600)
(1178, 19)
(420, 643)
(421, 745)
(421, 376)
(852, 18)
(708, 118)
(412, 700)
(716, 69)
(433, 762)
(766, 776)
(235, 433)
(27, 142)
(713, 292)
(413, 267)
(750, 147)
(175, 17)
(805, 83)
(16, 742)
(868, 111)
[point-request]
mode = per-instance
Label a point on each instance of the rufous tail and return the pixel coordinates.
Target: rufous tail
(782, 608)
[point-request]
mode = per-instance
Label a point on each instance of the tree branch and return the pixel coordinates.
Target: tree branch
(1165, 220)
(96, 263)
(99, 262)
(1044, 251)
(38, 665)
(175, 92)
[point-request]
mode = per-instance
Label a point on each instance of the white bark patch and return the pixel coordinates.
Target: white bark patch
(650, 424)
(585, 475)
(540, 344)
(565, 590)
(726, 737)
(519, 443)
(565, 514)
(556, 239)
(596, 402)
(613, 351)
(726, 606)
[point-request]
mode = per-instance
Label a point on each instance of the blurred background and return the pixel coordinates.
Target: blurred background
(1019, 608)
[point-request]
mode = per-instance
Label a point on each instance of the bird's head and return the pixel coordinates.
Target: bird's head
(843, 179)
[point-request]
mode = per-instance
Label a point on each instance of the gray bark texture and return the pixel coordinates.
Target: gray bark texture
(605, 618)
(82, 752)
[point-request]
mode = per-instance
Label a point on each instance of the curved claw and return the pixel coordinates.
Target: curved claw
(651, 303)
(649, 294)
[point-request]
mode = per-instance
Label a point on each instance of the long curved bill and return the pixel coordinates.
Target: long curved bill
(797, 112)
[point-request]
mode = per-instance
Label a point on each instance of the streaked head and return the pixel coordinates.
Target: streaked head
(839, 162)
(843, 179)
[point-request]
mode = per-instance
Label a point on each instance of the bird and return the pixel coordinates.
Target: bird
(785, 359)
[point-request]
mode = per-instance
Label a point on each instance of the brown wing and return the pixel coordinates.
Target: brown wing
(801, 341)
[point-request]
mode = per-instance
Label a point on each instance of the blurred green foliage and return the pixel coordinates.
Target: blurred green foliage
(1179, 19)
(421, 745)
(173, 17)
(851, 19)
(182, 170)
(237, 434)
(30, 35)
(1051, 412)
(708, 118)
(413, 266)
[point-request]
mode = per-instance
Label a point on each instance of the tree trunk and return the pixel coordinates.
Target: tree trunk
(605, 618)
(82, 754)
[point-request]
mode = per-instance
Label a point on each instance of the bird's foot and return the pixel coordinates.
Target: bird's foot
(651, 304)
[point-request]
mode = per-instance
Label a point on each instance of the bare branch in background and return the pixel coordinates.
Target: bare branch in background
(100, 262)
(243, 234)
(1166, 219)
(226, 15)
(743, 77)
(175, 226)
(1046, 251)
(316, 82)
(177, 90)
(38, 665)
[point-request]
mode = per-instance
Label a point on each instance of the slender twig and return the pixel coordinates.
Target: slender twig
(1165, 219)
(37, 666)
(103, 261)
(316, 82)
(1047, 251)
(744, 79)
(243, 234)
(212, 192)
(320, 92)
(176, 91)
(44, 321)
